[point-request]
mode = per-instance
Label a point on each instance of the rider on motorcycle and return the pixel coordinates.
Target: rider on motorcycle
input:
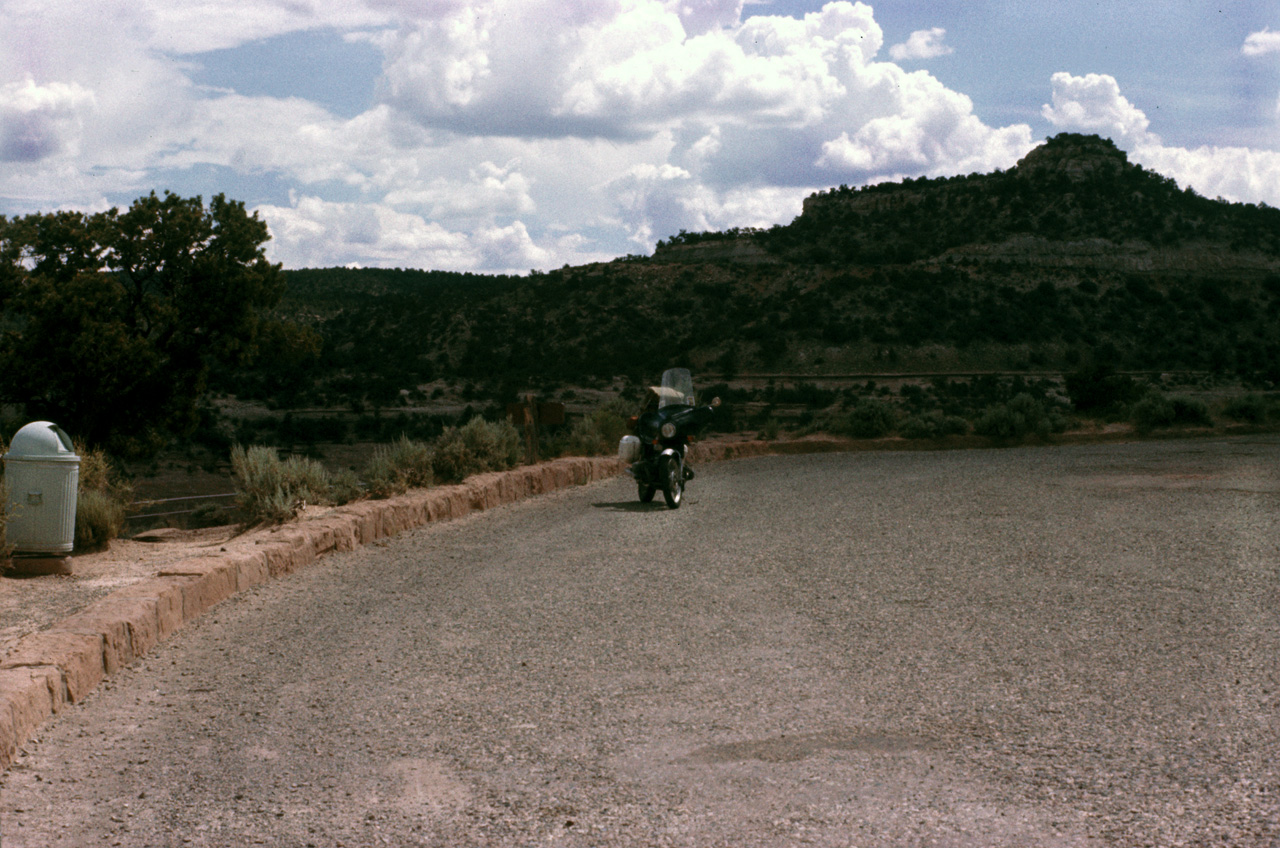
(657, 453)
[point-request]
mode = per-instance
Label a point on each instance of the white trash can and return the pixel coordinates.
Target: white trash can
(41, 474)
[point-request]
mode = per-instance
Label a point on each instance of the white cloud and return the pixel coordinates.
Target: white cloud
(1093, 104)
(922, 44)
(922, 128)
(656, 202)
(624, 69)
(316, 233)
(700, 16)
(509, 247)
(1233, 173)
(107, 104)
(300, 141)
(40, 121)
(510, 134)
(709, 111)
(196, 26)
(313, 232)
(649, 196)
(1261, 43)
(491, 190)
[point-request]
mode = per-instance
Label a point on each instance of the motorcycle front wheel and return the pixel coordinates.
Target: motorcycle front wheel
(672, 482)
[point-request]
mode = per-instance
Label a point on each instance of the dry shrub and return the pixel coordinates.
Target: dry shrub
(102, 500)
(274, 490)
(398, 467)
(598, 434)
(5, 548)
(99, 519)
(474, 448)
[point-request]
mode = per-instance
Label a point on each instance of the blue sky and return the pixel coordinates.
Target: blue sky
(1179, 61)
(507, 135)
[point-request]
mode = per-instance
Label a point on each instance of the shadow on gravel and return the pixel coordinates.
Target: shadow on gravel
(633, 506)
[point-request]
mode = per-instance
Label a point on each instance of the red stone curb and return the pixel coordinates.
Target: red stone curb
(61, 665)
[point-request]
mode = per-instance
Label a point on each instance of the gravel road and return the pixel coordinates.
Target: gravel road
(1068, 646)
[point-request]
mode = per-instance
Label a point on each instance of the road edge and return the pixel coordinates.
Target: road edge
(53, 668)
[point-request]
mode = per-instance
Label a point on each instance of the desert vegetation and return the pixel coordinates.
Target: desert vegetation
(272, 484)
(102, 500)
(1075, 256)
(272, 489)
(1073, 293)
(113, 322)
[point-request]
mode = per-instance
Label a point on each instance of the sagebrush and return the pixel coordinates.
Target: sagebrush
(99, 519)
(404, 464)
(474, 448)
(598, 434)
(102, 500)
(274, 490)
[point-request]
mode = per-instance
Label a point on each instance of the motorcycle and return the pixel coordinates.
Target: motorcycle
(656, 454)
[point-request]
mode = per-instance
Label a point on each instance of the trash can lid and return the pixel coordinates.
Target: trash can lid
(42, 440)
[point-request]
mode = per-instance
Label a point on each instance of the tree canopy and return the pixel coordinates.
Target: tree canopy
(112, 321)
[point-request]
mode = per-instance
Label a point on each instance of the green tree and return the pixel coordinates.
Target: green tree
(113, 321)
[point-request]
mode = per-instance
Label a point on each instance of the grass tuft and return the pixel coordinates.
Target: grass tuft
(272, 490)
(102, 501)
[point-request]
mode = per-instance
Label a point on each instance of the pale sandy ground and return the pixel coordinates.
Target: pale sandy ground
(30, 604)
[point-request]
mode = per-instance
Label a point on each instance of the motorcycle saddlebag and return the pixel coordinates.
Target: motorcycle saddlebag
(629, 449)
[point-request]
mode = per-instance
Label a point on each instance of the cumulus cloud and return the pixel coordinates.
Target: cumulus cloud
(38, 121)
(1094, 104)
(1233, 173)
(315, 232)
(649, 196)
(714, 116)
(922, 44)
(700, 16)
(618, 69)
(505, 134)
(87, 106)
(297, 140)
(491, 190)
(318, 232)
(929, 130)
(196, 26)
(1261, 43)
(509, 247)
(773, 98)
(655, 202)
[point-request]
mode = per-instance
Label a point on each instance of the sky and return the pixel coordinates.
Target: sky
(505, 136)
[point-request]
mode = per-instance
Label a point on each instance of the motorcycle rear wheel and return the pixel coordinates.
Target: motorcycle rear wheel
(646, 492)
(672, 482)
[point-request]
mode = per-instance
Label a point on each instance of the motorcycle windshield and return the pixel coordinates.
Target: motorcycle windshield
(677, 388)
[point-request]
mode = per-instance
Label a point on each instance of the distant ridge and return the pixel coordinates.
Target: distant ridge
(1072, 188)
(1075, 255)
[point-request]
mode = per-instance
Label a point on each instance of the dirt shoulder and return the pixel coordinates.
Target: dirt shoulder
(31, 604)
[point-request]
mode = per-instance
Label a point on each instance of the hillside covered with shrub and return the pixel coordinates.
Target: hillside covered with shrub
(1075, 256)
(989, 307)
